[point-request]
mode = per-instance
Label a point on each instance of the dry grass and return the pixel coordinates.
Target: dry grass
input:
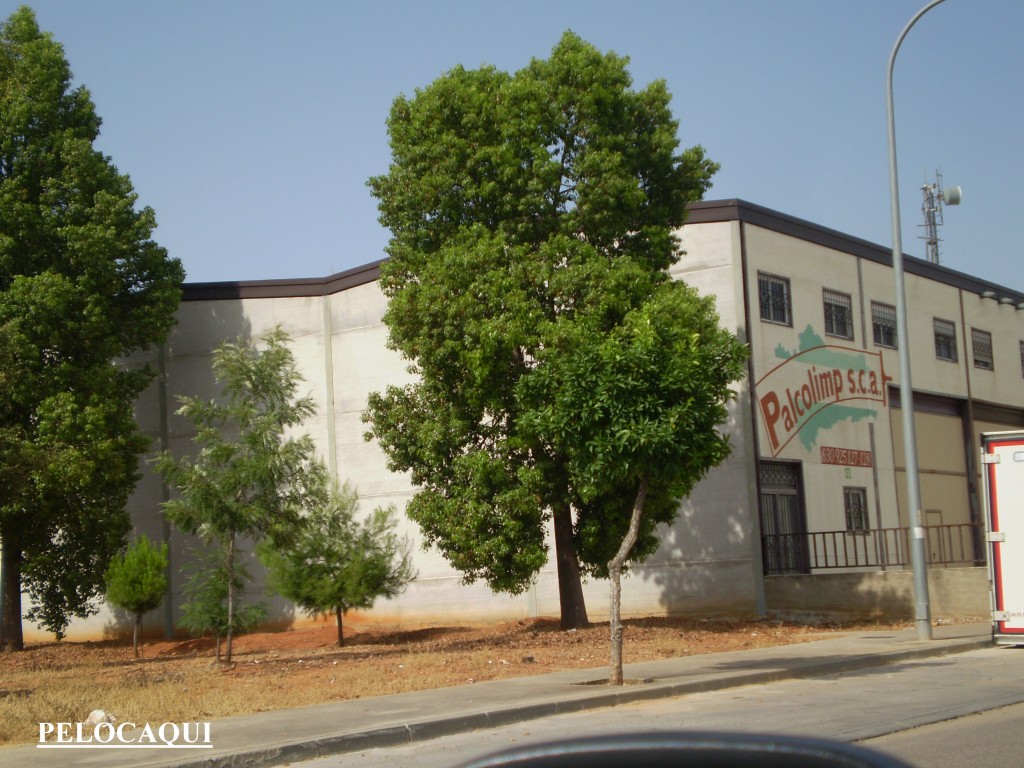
(179, 681)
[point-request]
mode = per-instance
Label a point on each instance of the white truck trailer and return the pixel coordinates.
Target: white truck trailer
(1003, 471)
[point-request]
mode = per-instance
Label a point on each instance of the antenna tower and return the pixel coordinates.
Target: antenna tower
(934, 197)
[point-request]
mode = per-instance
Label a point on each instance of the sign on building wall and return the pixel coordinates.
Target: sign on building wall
(845, 457)
(817, 386)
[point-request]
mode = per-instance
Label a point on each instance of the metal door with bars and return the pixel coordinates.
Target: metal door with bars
(783, 523)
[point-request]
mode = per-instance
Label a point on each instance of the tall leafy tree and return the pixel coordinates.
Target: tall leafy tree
(338, 562)
(82, 286)
(637, 414)
(136, 581)
(251, 477)
(518, 204)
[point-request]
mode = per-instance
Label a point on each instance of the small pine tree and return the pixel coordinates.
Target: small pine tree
(136, 581)
(206, 602)
(336, 563)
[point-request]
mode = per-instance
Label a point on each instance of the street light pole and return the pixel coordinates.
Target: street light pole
(922, 609)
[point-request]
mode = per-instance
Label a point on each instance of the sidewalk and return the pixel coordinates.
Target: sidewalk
(288, 736)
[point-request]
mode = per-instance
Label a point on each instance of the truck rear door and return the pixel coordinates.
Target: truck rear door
(1004, 487)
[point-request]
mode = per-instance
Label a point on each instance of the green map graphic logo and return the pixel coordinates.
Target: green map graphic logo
(804, 395)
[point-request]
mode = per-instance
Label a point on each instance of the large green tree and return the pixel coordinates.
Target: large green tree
(517, 204)
(251, 477)
(82, 286)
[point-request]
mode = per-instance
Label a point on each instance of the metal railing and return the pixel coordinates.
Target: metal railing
(946, 545)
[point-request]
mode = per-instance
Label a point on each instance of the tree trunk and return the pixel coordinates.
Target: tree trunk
(341, 632)
(615, 623)
(570, 585)
(11, 637)
(615, 573)
(135, 634)
(230, 567)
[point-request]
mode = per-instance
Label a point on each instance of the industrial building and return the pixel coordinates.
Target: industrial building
(808, 513)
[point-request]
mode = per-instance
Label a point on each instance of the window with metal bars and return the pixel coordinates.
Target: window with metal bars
(838, 314)
(855, 502)
(945, 340)
(981, 347)
(774, 295)
(883, 325)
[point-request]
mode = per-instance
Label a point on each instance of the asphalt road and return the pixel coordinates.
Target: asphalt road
(986, 740)
(855, 707)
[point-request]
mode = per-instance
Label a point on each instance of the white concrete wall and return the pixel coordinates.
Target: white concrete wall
(706, 565)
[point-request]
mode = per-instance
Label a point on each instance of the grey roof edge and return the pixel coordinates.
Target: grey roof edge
(288, 288)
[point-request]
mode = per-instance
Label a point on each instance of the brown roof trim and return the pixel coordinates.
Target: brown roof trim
(740, 210)
(273, 289)
(704, 212)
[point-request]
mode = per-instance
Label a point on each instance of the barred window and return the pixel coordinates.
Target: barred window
(838, 314)
(779, 476)
(775, 298)
(855, 501)
(883, 325)
(981, 346)
(945, 340)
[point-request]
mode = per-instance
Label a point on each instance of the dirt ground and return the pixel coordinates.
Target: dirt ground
(180, 681)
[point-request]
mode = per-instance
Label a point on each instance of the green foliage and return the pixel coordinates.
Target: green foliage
(136, 581)
(205, 610)
(82, 285)
(528, 211)
(249, 478)
(337, 563)
(646, 399)
(137, 578)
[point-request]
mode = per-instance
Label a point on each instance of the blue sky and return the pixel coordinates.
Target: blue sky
(251, 126)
